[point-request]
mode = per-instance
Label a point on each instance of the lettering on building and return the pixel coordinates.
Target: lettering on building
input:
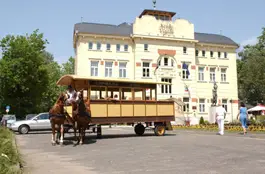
(166, 29)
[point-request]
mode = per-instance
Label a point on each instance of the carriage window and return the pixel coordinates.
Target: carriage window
(114, 93)
(97, 93)
(126, 94)
(138, 94)
(150, 94)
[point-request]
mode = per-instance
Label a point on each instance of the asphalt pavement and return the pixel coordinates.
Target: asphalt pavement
(121, 151)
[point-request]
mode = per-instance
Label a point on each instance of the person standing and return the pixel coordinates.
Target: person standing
(243, 116)
(220, 117)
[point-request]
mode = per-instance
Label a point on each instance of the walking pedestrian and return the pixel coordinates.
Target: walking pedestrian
(220, 117)
(242, 116)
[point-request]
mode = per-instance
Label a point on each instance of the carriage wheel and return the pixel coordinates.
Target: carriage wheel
(160, 130)
(139, 129)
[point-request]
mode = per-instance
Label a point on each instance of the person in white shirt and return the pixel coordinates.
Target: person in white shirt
(220, 117)
(72, 95)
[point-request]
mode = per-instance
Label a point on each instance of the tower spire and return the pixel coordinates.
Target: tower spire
(154, 4)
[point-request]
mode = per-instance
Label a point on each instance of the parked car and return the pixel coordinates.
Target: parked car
(8, 120)
(29, 116)
(38, 122)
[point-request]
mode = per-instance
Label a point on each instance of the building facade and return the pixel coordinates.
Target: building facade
(157, 48)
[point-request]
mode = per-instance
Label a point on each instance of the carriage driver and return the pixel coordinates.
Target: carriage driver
(72, 95)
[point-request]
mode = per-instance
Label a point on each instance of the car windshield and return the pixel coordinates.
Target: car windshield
(30, 116)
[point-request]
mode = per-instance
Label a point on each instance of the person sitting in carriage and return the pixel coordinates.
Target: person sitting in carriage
(72, 95)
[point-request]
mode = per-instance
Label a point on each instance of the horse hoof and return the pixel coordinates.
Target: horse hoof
(53, 143)
(61, 144)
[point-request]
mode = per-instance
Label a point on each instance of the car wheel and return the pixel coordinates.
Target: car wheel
(23, 129)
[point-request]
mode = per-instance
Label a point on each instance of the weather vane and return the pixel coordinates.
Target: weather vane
(154, 4)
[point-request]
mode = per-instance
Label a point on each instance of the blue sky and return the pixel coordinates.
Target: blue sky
(240, 20)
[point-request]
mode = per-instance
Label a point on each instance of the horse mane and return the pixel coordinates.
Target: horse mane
(58, 106)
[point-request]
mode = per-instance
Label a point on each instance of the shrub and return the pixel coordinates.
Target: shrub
(202, 121)
(9, 157)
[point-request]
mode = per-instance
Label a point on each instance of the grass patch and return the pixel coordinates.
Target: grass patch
(9, 156)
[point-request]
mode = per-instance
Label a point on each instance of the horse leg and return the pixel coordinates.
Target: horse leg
(62, 132)
(75, 128)
(82, 135)
(53, 134)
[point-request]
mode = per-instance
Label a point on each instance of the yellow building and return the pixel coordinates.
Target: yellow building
(157, 48)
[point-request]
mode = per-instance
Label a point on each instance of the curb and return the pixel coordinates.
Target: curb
(18, 166)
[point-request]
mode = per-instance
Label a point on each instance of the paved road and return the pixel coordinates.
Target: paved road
(120, 151)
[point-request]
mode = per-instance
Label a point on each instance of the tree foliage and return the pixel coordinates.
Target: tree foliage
(69, 66)
(251, 72)
(23, 73)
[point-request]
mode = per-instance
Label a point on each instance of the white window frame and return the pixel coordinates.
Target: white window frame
(186, 107)
(126, 48)
(184, 50)
(211, 54)
(108, 69)
(201, 73)
(122, 69)
(225, 104)
(146, 69)
(184, 72)
(166, 89)
(201, 105)
(118, 47)
(225, 55)
(94, 68)
(197, 52)
(212, 75)
(203, 53)
(145, 47)
(98, 46)
(108, 47)
(223, 75)
(90, 45)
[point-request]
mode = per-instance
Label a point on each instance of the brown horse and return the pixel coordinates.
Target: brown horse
(57, 117)
(83, 116)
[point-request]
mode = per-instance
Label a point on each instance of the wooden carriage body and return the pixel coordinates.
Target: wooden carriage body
(121, 101)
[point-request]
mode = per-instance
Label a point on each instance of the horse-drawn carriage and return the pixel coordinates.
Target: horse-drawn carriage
(114, 101)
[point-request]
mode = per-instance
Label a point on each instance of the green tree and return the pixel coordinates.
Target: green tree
(69, 66)
(251, 74)
(54, 73)
(23, 72)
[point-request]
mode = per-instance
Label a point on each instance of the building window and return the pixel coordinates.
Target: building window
(201, 73)
(165, 61)
(90, 45)
(108, 69)
(197, 53)
(118, 47)
(184, 50)
(224, 104)
(225, 54)
(146, 69)
(146, 47)
(186, 107)
(203, 53)
(98, 46)
(125, 47)
(201, 105)
(211, 53)
(166, 89)
(185, 71)
(219, 54)
(94, 68)
(223, 75)
(212, 74)
(122, 69)
(108, 47)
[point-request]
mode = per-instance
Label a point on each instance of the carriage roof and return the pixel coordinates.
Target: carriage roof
(71, 79)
